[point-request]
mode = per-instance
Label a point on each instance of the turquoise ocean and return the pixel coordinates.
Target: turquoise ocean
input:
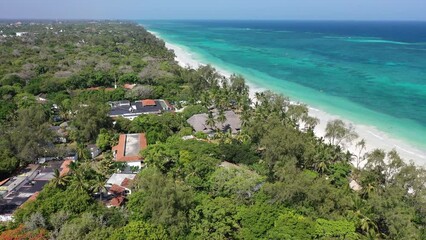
(371, 73)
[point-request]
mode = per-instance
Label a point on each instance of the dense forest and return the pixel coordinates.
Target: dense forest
(273, 180)
(58, 62)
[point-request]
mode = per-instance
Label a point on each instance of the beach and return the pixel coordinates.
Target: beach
(374, 138)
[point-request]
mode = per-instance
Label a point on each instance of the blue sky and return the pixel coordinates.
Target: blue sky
(216, 9)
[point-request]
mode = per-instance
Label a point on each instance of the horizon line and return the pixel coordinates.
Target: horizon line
(208, 19)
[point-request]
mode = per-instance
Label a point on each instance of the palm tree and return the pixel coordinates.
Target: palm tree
(361, 147)
(79, 182)
(220, 99)
(65, 110)
(73, 166)
(243, 103)
(223, 102)
(99, 186)
(206, 100)
(258, 96)
(58, 180)
(227, 137)
(210, 121)
(321, 166)
(225, 84)
(367, 190)
(210, 76)
(322, 158)
(82, 151)
(243, 138)
(106, 166)
(367, 226)
(245, 118)
(310, 123)
(221, 117)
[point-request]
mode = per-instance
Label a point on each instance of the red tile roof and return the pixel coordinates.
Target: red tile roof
(148, 102)
(117, 190)
(4, 181)
(117, 201)
(121, 147)
(126, 182)
(65, 167)
(142, 141)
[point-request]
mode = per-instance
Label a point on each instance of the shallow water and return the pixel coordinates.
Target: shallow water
(370, 73)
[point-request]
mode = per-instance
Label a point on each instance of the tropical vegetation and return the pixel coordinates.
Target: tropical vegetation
(273, 180)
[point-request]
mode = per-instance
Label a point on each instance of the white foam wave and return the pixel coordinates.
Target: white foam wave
(377, 136)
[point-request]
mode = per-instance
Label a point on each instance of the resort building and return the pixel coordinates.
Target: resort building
(199, 123)
(131, 110)
(128, 148)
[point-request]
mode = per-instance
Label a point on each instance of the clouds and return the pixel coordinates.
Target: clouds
(215, 9)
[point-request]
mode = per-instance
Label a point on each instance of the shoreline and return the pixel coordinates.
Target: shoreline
(374, 138)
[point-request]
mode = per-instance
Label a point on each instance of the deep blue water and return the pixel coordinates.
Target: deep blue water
(370, 72)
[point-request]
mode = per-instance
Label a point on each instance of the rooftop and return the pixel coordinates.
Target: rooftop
(232, 122)
(132, 147)
(4, 181)
(120, 179)
(148, 102)
(131, 109)
(129, 146)
(65, 167)
(26, 186)
(117, 190)
(354, 185)
(117, 201)
(126, 182)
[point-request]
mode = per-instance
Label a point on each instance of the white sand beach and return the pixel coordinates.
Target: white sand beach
(373, 137)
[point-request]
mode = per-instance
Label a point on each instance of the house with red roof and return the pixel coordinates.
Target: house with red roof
(123, 180)
(126, 182)
(128, 149)
(117, 190)
(116, 201)
(118, 186)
